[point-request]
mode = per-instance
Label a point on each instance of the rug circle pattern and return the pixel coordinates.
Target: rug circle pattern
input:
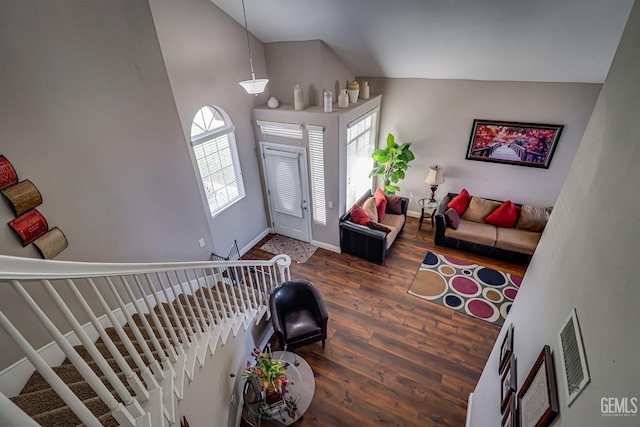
(481, 292)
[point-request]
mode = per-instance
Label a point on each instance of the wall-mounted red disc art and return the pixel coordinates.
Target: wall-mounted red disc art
(8, 175)
(29, 226)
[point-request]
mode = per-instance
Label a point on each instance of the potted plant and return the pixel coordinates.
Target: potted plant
(271, 372)
(392, 162)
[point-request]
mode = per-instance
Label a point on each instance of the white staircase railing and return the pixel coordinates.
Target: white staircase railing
(156, 321)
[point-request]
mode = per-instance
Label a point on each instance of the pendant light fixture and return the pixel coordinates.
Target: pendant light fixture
(253, 86)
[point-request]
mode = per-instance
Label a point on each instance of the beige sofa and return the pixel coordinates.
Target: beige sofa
(474, 234)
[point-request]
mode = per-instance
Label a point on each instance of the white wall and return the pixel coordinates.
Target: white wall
(437, 116)
(207, 399)
(87, 114)
(205, 52)
(587, 259)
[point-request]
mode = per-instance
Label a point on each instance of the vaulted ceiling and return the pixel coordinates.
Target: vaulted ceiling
(511, 40)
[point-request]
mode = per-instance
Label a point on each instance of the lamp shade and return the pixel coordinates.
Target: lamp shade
(435, 177)
(255, 86)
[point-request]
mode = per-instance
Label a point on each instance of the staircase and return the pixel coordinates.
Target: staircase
(149, 326)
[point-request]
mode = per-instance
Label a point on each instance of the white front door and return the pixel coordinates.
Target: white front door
(286, 176)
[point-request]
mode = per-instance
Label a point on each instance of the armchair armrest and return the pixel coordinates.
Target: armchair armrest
(440, 219)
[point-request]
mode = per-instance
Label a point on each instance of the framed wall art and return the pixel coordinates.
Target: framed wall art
(510, 416)
(522, 144)
(538, 402)
(506, 349)
(508, 383)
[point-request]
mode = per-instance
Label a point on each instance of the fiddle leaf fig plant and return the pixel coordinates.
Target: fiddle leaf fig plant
(391, 163)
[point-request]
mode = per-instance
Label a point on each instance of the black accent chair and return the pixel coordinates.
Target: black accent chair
(298, 314)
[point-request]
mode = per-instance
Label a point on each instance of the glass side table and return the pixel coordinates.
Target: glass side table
(428, 210)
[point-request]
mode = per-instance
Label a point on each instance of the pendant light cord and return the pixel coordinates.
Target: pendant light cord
(246, 29)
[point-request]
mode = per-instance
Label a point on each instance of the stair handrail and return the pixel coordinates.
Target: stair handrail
(16, 270)
(21, 268)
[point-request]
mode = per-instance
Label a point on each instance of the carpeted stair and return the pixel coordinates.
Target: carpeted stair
(44, 405)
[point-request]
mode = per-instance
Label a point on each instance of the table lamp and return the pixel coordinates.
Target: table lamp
(434, 178)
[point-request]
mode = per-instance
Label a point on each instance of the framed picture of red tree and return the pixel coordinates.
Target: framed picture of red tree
(521, 144)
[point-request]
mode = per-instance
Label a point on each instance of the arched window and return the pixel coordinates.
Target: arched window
(214, 146)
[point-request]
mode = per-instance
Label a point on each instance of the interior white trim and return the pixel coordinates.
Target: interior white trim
(326, 246)
(255, 241)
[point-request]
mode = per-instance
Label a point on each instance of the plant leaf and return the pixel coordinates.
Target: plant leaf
(390, 140)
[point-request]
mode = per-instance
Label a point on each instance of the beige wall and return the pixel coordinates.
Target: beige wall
(87, 114)
(205, 52)
(437, 116)
(587, 259)
(311, 64)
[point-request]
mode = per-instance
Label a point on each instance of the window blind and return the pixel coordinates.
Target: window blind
(283, 170)
(361, 137)
(220, 171)
(316, 162)
(282, 130)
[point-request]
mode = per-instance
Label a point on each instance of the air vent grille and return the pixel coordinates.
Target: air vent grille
(573, 358)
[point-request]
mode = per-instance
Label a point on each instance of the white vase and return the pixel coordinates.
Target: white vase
(364, 90)
(273, 102)
(343, 99)
(298, 98)
(328, 102)
(354, 90)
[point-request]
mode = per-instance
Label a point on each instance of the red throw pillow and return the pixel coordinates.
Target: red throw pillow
(461, 202)
(359, 215)
(381, 203)
(506, 215)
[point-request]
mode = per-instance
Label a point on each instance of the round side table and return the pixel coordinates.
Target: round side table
(299, 394)
(428, 210)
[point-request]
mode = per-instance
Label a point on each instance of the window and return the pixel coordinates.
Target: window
(316, 162)
(214, 146)
(282, 130)
(361, 137)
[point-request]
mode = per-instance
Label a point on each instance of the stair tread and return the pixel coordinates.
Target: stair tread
(46, 400)
(68, 371)
(45, 406)
(64, 416)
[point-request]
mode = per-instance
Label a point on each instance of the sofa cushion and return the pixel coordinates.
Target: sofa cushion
(381, 203)
(513, 239)
(479, 209)
(453, 219)
(474, 232)
(369, 207)
(394, 204)
(505, 216)
(460, 202)
(359, 215)
(377, 226)
(533, 218)
(395, 223)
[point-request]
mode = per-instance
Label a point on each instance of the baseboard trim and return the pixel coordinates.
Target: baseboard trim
(255, 241)
(326, 246)
(469, 404)
(413, 214)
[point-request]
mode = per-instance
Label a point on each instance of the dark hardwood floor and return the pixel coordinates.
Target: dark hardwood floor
(391, 358)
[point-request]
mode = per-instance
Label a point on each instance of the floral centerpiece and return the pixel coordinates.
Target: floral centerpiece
(271, 372)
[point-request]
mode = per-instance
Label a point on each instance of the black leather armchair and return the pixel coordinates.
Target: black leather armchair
(298, 314)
